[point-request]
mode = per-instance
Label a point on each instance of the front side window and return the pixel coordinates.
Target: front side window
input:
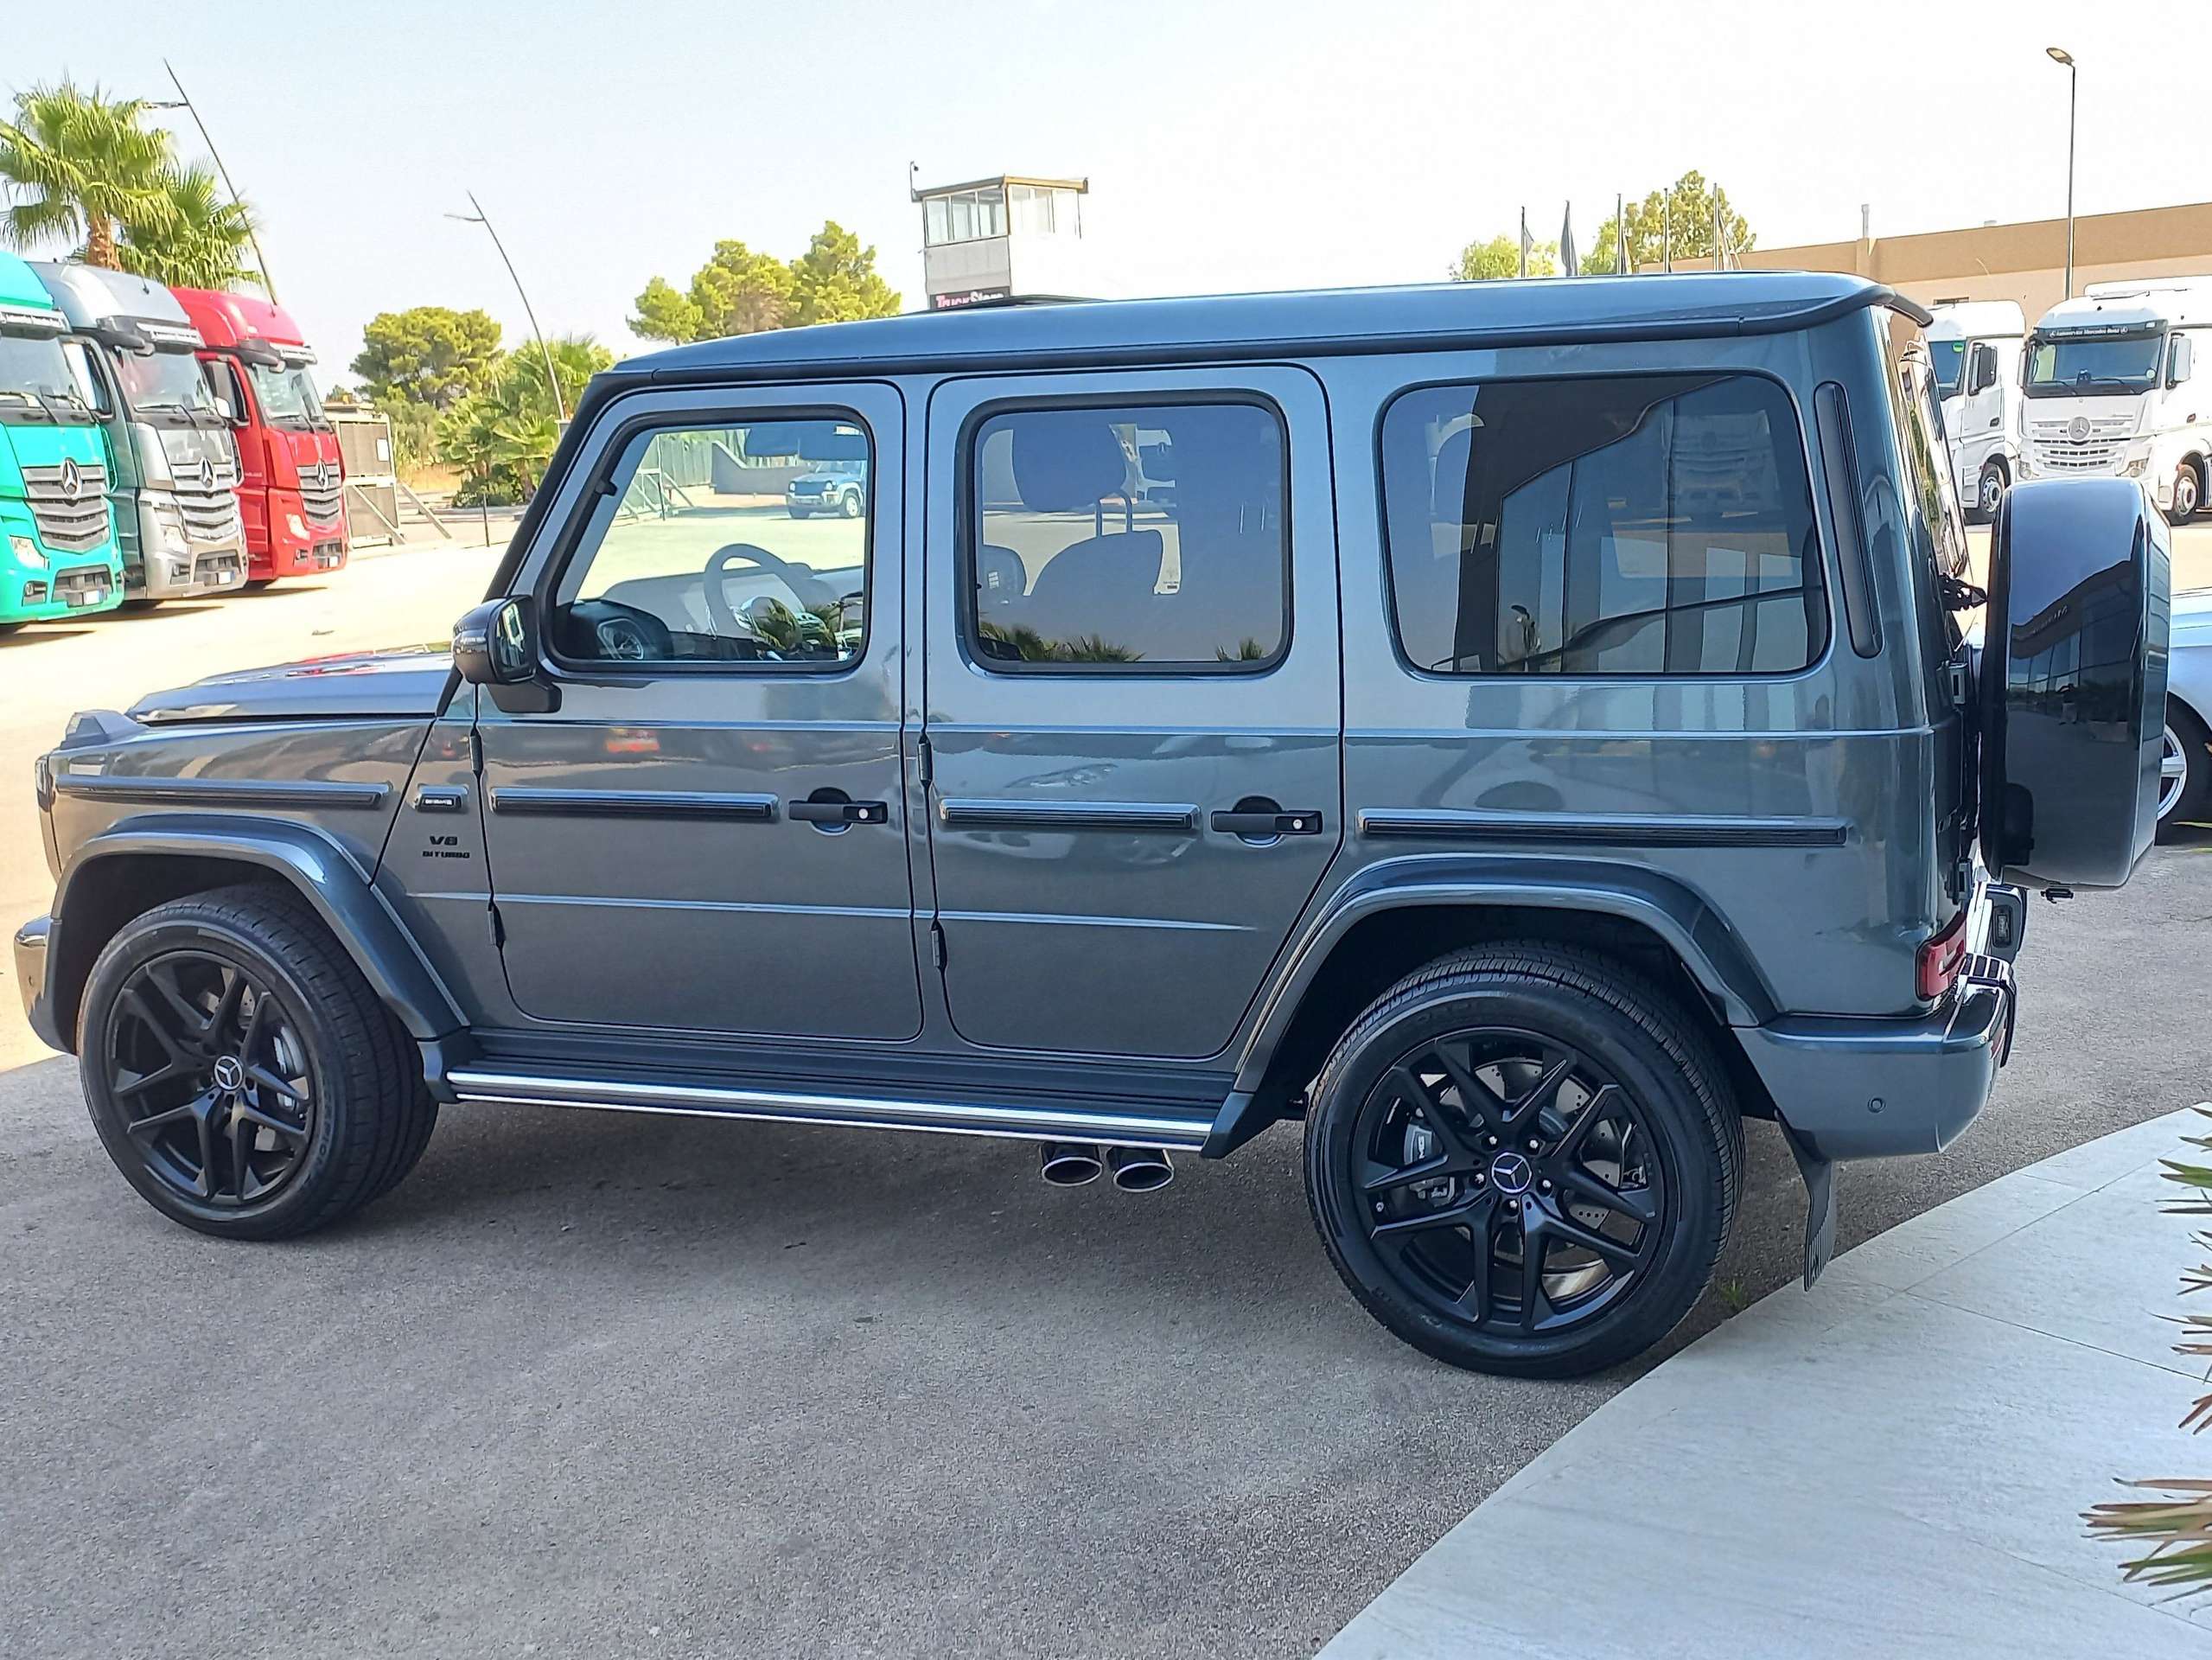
(1134, 537)
(1949, 358)
(35, 381)
(725, 545)
(1633, 525)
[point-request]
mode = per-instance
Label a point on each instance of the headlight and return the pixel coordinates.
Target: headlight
(27, 552)
(172, 538)
(2139, 466)
(297, 525)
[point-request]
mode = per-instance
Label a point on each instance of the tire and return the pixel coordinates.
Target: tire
(796, 513)
(2192, 802)
(849, 504)
(138, 606)
(2189, 493)
(1989, 490)
(7, 629)
(258, 585)
(236, 1012)
(1640, 1070)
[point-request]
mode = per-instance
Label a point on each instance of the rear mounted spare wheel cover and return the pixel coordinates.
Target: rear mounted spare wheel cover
(2072, 682)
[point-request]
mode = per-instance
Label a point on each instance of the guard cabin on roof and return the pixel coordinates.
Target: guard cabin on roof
(993, 238)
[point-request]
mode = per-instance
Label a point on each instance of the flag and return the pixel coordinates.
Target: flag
(1525, 243)
(1620, 236)
(1568, 264)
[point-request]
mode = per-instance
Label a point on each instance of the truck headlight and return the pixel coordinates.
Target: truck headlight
(297, 525)
(27, 552)
(2139, 466)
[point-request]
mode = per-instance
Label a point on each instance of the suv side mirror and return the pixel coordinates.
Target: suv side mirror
(495, 645)
(2177, 364)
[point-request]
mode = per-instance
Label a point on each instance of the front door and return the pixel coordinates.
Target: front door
(706, 833)
(1133, 707)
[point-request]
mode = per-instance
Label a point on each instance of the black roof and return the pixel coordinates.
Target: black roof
(1442, 315)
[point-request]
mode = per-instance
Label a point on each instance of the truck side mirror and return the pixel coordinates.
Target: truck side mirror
(1982, 375)
(2178, 361)
(495, 645)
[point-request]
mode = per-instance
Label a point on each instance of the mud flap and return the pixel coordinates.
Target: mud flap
(1820, 1176)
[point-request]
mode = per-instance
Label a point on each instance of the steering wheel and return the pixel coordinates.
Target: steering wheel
(811, 591)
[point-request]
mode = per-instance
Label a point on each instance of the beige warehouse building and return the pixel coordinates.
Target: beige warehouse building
(2024, 262)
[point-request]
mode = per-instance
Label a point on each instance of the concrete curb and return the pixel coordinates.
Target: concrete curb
(1892, 1464)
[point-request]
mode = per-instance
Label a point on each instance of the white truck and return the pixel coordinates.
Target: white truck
(1977, 345)
(2110, 388)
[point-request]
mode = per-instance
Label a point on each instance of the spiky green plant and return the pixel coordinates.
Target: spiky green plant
(75, 163)
(198, 239)
(2177, 1527)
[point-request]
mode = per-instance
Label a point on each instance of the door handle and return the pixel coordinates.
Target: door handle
(1278, 821)
(840, 812)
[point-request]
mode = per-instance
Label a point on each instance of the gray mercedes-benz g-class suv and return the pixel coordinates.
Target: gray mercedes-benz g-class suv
(1536, 732)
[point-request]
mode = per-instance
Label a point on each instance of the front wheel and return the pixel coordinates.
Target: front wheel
(2184, 771)
(1990, 490)
(2189, 493)
(849, 504)
(241, 1072)
(1523, 1160)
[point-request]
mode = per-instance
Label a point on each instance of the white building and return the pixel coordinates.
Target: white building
(991, 239)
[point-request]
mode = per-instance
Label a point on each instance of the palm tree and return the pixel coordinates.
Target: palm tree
(197, 241)
(74, 163)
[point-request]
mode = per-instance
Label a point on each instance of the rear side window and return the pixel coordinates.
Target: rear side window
(1131, 538)
(1641, 526)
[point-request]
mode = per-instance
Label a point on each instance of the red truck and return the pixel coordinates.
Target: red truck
(291, 493)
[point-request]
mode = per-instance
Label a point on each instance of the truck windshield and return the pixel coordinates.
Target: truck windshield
(2080, 366)
(167, 385)
(36, 382)
(1949, 357)
(287, 397)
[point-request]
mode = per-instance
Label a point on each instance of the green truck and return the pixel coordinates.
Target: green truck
(59, 556)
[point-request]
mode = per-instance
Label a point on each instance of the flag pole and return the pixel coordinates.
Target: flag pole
(1620, 235)
(1524, 240)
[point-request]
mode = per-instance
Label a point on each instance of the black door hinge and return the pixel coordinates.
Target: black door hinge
(925, 762)
(937, 944)
(499, 928)
(476, 751)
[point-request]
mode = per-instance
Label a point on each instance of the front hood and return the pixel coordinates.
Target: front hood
(33, 445)
(405, 684)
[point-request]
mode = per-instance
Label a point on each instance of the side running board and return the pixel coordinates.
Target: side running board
(1131, 1125)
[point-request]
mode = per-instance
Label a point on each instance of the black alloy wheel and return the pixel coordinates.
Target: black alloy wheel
(1513, 1184)
(1524, 1159)
(209, 1075)
(242, 1073)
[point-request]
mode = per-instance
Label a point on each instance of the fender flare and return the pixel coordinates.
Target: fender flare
(1697, 933)
(316, 867)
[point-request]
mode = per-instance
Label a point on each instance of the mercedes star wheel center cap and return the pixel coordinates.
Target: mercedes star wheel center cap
(230, 1072)
(1511, 1172)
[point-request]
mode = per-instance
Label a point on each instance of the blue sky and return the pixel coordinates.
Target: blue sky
(1229, 145)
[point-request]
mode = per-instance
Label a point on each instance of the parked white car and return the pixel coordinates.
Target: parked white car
(2185, 768)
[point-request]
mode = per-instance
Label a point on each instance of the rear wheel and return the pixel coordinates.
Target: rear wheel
(1523, 1160)
(2184, 771)
(2189, 492)
(241, 1073)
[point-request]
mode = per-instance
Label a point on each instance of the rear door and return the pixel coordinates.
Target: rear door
(1133, 698)
(706, 833)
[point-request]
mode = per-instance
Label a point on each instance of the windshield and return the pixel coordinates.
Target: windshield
(1949, 357)
(2074, 366)
(287, 397)
(167, 383)
(36, 382)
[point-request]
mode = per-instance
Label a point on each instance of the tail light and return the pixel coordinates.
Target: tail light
(1936, 968)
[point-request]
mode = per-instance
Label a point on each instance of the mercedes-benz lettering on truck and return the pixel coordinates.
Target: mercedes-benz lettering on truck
(58, 555)
(172, 466)
(1975, 345)
(2111, 389)
(291, 490)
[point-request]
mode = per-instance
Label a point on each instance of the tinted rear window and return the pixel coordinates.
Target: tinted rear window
(1641, 526)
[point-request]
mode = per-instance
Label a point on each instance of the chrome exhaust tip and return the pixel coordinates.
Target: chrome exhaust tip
(1070, 1164)
(1140, 1169)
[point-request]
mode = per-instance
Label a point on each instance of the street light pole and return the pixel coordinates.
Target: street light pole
(2060, 54)
(184, 102)
(530, 311)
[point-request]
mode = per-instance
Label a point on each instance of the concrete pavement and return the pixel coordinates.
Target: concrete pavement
(1890, 1467)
